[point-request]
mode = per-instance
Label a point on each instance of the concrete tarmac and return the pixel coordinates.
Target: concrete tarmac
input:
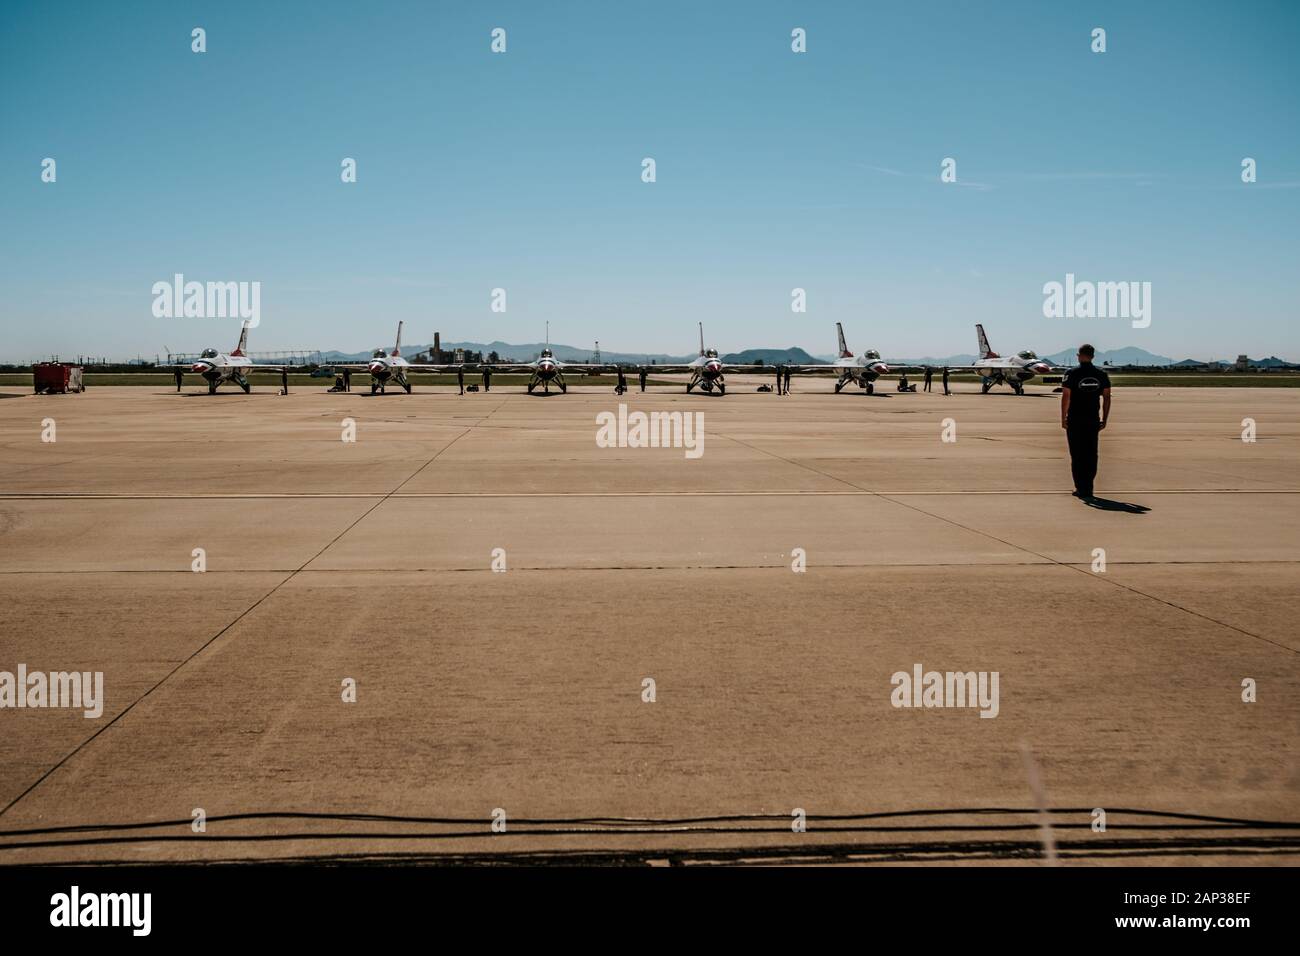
(522, 691)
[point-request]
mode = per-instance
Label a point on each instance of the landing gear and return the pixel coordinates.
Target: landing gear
(564, 389)
(722, 388)
(1018, 388)
(243, 383)
(212, 388)
(531, 386)
(871, 388)
(689, 386)
(839, 385)
(985, 385)
(405, 384)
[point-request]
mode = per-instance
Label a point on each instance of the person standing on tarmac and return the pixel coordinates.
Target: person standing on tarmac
(1084, 390)
(487, 379)
(778, 379)
(179, 376)
(787, 380)
(641, 375)
(945, 381)
(460, 378)
(929, 377)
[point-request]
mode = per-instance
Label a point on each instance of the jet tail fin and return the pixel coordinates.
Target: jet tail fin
(985, 351)
(243, 339)
(844, 349)
(397, 348)
(701, 338)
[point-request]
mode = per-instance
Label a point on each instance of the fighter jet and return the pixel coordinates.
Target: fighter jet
(996, 370)
(218, 367)
(707, 371)
(862, 370)
(385, 367)
(547, 369)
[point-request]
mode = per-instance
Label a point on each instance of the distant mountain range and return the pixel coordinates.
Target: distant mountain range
(1124, 356)
(795, 356)
(526, 352)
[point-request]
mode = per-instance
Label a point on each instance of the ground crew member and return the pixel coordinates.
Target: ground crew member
(779, 370)
(641, 375)
(347, 380)
(460, 377)
(945, 381)
(929, 377)
(621, 387)
(179, 375)
(284, 381)
(487, 379)
(787, 380)
(1084, 390)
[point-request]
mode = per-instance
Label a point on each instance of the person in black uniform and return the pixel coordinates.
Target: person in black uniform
(929, 377)
(460, 378)
(179, 376)
(1085, 393)
(487, 379)
(945, 381)
(284, 381)
(787, 380)
(641, 375)
(779, 372)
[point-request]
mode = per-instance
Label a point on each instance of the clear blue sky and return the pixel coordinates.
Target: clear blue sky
(775, 170)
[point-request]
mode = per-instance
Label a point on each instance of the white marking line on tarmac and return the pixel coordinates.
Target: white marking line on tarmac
(71, 496)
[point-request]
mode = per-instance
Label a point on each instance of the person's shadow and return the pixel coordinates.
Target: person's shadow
(1109, 504)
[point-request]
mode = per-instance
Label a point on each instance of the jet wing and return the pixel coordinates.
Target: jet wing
(727, 368)
(508, 368)
(979, 368)
(588, 367)
(188, 368)
(413, 367)
(668, 368)
(893, 367)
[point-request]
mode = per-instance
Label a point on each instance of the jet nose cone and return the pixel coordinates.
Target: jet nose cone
(880, 368)
(376, 367)
(199, 367)
(1042, 368)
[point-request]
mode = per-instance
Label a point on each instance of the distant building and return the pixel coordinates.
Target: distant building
(437, 355)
